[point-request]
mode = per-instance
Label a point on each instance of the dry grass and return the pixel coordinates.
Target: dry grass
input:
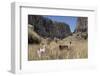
(78, 49)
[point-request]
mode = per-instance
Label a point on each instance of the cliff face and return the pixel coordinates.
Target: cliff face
(82, 28)
(47, 28)
(82, 24)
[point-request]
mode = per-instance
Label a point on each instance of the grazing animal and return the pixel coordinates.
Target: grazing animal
(41, 51)
(62, 47)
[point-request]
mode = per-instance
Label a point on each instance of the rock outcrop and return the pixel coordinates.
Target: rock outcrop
(82, 28)
(82, 24)
(33, 37)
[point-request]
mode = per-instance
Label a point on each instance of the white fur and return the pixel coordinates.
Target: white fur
(40, 51)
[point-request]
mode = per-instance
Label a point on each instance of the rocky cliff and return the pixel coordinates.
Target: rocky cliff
(82, 24)
(47, 28)
(82, 27)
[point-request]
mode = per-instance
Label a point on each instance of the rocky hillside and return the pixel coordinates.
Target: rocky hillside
(33, 37)
(82, 24)
(82, 28)
(47, 28)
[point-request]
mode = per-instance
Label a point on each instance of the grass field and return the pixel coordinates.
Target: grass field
(76, 50)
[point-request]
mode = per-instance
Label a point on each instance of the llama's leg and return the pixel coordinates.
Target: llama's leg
(39, 53)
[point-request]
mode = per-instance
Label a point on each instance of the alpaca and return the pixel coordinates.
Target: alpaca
(41, 51)
(61, 47)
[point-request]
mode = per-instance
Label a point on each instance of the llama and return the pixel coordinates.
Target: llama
(41, 51)
(62, 47)
(67, 46)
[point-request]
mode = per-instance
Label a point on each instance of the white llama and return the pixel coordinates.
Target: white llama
(41, 50)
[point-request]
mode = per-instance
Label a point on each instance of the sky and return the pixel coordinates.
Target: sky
(70, 20)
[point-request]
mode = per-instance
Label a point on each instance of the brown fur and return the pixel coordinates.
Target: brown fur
(62, 47)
